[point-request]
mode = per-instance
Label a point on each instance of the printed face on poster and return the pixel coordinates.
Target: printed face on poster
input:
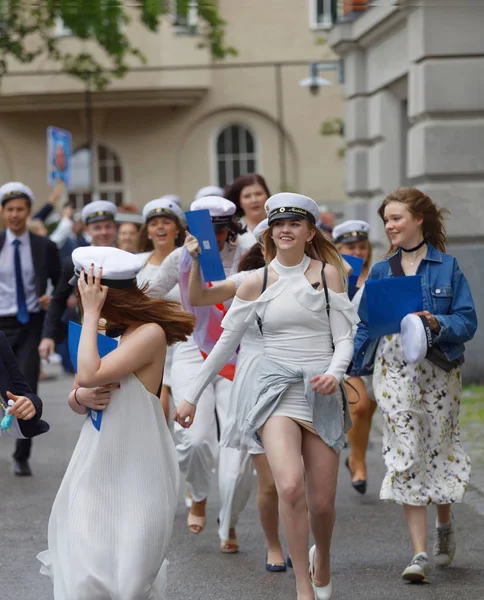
(59, 153)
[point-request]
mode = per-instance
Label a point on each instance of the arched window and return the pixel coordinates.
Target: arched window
(107, 182)
(236, 153)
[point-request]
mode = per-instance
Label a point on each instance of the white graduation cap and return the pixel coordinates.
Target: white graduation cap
(260, 228)
(173, 197)
(351, 231)
(416, 338)
(99, 210)
(119, 267)
(162, 207)
(15, 189)
(287, 205)
(221, 210)
(209, 190)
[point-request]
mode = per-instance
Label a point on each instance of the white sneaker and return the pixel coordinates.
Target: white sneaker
(418, 570)
(444, 547)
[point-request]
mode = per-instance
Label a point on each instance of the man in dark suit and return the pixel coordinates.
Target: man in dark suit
(99, 219)
(27, 263)
(13, 385)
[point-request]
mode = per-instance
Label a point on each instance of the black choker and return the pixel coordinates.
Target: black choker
(414, 249)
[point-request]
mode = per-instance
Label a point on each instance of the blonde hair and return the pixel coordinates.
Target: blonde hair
(367, 263)
(320, 248)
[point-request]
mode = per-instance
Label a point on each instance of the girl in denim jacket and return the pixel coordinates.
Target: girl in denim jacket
(424, 459)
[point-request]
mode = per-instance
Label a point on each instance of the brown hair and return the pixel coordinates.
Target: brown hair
(130, 307)
(321, 248)
(419, 204)
(234, 191)
(252, 259)
(146, 245)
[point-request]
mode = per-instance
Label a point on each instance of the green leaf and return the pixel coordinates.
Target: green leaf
(100, 21)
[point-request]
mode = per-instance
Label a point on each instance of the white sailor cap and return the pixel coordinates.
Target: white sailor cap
(260, 228)
(209, 190)
(416, 338)
(15, 189)
(287, 205)
(221, 210)
(129, 217)
(99, 210)
(162, 207)
(351, 231)
(119, 267)
(174, 198)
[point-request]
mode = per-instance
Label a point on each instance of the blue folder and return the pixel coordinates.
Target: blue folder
(200, 225)
(105, 345)
(357, 264)
(389, 300)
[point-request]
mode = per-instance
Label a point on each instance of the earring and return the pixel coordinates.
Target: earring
(149, 237)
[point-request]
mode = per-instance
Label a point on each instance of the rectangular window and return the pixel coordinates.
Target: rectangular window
(323, 13)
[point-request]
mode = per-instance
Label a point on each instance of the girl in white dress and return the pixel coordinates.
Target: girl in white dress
(113, 515)
(249, 193)
(160, 235)
(199, 450)
(251, 348)
(299, 409)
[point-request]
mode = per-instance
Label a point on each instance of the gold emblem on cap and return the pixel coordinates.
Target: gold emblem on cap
(282, 209)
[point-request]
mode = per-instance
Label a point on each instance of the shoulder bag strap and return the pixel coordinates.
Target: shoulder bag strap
(264, 287)
(396, 265)
(343, 391)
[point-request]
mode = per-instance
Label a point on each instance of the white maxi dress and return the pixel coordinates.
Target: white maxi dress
(113, 515)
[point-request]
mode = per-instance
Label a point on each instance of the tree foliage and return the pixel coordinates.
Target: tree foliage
(27, 30)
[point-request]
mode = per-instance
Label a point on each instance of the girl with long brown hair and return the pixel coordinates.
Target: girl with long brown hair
(306, 323)
(113, 515)
(420, 396)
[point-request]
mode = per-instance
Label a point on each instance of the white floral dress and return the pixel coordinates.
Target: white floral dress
(424, 458)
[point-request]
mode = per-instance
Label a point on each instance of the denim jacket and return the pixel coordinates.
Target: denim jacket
(446, 295)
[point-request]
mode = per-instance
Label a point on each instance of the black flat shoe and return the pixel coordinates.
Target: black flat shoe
(359, 485)
(21, 468)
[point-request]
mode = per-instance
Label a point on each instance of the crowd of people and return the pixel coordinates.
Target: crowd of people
(274, 369)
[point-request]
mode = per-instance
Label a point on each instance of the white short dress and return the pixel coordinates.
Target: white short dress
(113, 515)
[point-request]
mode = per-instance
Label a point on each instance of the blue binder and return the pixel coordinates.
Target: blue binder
(389, 300)
(357, 264)
(105, 345)
(200, 225)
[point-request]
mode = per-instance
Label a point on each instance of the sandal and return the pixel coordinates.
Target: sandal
(230, 546)
(196, 524)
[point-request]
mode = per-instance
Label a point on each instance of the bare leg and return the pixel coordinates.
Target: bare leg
(321, 464)
(444, 515)
(417, 524)
(267, 504)
(282, 439)
(361, 414)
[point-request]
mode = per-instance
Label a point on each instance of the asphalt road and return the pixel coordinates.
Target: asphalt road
(370, 549)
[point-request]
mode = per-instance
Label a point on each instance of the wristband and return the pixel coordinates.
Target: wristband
(75, 396)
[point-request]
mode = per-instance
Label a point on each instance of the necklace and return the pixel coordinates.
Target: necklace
(416, 251)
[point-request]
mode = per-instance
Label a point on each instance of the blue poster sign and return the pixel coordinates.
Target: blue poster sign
(59, 153)
(200, 225)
